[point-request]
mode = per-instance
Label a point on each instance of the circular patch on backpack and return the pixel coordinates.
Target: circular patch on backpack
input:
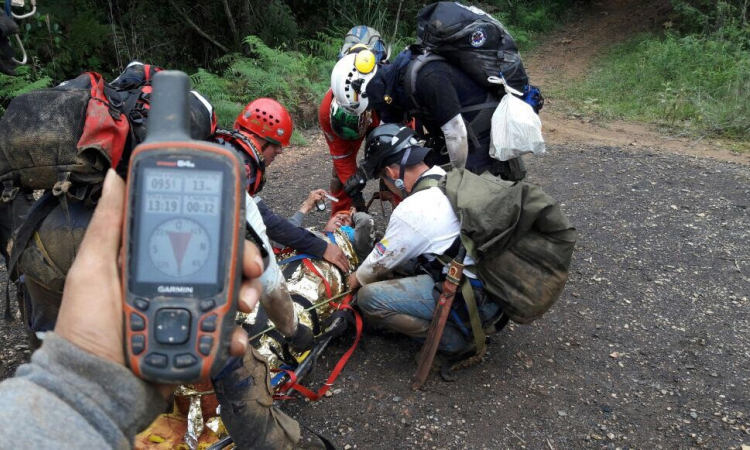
(478, 38)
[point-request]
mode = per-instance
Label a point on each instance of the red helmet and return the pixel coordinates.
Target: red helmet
(268, 119)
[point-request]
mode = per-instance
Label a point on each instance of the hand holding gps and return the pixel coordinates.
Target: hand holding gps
(182, 241)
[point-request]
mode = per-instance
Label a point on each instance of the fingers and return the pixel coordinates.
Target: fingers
(252, 262)
(102, 239)
(239, 342)
(250, 292)
(91, 310)
(353, 282)
(341, 261)
(318, 195)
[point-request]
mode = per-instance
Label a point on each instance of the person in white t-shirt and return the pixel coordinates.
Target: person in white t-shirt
(422, 226)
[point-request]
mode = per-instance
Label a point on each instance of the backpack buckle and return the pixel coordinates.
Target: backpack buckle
(63, 184)
(10, 190)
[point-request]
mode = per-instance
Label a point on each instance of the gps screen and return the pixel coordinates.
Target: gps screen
(179, 226)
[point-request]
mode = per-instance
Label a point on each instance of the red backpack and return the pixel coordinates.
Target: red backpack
(61, 137)
(63, 140)
(66, 137)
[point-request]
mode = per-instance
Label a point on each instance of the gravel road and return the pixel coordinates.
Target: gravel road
(648, 346)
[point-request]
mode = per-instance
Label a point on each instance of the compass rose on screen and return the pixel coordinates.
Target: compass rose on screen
(179, 247)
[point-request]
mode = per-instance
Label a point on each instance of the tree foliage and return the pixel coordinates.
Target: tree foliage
(235, 49)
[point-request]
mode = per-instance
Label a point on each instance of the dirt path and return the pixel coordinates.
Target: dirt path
(567, 54)
(646, 348)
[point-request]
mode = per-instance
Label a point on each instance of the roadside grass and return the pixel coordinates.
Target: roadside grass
(691, 85)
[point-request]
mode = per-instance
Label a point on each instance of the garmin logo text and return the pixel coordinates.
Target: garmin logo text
(175, 289)
(184, 163)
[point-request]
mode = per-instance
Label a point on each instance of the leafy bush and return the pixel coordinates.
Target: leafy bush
(26, 81)
(700, 84)
(296, 80)
(727, 19)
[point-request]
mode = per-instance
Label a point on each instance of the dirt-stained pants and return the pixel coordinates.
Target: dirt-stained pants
(407, 305)
(247, 407)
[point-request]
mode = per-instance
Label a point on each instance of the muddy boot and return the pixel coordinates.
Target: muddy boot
(244, 392)
(446, 363)
(313, 441)
(496, 324)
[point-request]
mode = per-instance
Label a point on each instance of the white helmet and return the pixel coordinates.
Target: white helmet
(349, 80)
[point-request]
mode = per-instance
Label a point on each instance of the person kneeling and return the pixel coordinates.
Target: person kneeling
(423, 226)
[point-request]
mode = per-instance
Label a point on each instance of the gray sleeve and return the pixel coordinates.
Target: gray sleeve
(297, 219)
(364, 234)
(67, 398)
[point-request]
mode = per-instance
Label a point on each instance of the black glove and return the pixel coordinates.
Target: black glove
(356, 183)
(358, 201)
(8, 26)
(303, 339)
(7, 65)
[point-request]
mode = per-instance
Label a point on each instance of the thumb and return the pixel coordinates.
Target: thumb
(102, 239)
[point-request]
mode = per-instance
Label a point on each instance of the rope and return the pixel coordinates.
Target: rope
(320, 393)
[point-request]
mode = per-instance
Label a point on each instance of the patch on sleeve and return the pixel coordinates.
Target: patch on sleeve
(381, 247)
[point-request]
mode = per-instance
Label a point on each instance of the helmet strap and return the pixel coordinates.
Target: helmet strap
(401, 170)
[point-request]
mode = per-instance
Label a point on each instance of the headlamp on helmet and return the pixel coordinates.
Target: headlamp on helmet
(349, 83)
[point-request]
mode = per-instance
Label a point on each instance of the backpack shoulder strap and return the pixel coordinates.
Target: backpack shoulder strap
(411, 74)
(425, 182)
(22, 236)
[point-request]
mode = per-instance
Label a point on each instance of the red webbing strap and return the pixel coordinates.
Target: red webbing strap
(286, 386)
(311, 267)
(315, 396)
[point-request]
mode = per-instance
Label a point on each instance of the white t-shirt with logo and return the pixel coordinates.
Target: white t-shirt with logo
(423, 224)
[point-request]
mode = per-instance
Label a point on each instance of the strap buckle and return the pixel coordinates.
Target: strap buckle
(10, 190)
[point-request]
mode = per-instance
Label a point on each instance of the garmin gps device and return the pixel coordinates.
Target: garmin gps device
(182, 242)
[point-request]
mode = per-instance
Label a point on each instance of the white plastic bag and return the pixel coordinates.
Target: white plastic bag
(516, 128)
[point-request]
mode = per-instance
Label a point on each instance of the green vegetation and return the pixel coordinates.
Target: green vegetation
(236, 50)
(11, 87)
(695, 78)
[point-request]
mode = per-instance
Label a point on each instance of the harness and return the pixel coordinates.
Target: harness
(256, 182)
(336, 327)
(467, 284)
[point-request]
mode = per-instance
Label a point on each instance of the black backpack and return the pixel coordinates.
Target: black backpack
(472, 40)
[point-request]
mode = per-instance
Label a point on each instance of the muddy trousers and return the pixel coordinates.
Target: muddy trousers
(244, 392)
(407, 305)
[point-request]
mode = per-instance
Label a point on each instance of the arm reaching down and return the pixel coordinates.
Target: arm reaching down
(364, 234)
(456, 140)
(285, 233)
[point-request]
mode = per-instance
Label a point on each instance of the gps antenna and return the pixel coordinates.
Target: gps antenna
(169, 116)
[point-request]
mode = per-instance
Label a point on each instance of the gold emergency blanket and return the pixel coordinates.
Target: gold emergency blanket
(195, 423)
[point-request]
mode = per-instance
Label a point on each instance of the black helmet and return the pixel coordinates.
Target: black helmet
(388, 144)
